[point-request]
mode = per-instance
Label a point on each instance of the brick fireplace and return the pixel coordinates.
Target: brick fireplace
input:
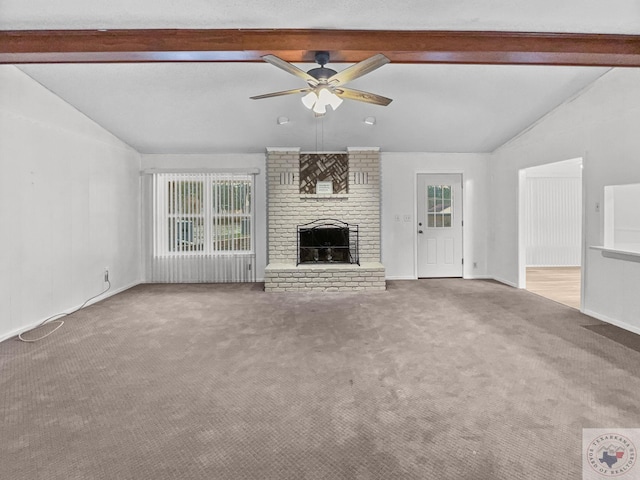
(355, 201)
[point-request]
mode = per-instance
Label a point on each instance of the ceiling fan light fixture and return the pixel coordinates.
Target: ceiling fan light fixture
(329, 98)
(310, 99)
(320, 108)
(337, 101)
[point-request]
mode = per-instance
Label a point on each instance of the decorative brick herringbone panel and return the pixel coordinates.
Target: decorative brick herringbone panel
(316, 167)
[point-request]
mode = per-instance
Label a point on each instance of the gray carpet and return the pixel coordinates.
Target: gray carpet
(432, 379)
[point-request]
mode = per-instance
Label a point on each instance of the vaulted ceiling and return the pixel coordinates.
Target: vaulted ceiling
(613, 16)
(205, 107)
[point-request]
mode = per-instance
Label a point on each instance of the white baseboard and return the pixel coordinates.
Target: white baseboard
(111, 293)
(472, 277)
(106, 295)
(550, 266)
(613, 321)
(506, 282)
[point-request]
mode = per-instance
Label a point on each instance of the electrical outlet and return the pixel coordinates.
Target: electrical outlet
(106, 274)
(597, 207)
(407, 218)
(397, 218)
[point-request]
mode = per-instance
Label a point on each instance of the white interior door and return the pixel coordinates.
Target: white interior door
(439, 227)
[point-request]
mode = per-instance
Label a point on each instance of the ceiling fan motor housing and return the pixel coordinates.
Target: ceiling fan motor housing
(322, 74)
(322, 58)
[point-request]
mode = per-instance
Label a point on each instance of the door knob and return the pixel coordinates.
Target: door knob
(419, 231)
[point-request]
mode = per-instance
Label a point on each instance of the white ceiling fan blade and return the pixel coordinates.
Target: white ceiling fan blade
(358, 70)
(292, 69)
(360, 96)
(284, 92)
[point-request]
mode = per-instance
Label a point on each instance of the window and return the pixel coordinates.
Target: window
(204, 214)
(439, 210)
(621, 217)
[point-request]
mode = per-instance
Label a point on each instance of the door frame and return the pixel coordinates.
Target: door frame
(522, 250)
(448, 171)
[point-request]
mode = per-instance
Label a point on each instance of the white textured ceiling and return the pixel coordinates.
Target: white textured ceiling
(582, 16)
(184, 108)
(205, 107)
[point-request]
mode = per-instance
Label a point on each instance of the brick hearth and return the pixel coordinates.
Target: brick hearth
(288, 208)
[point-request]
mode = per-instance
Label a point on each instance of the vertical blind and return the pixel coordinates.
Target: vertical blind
(202, 227)
(553, 221)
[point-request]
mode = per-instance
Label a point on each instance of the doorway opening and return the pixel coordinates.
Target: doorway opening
(550, 233)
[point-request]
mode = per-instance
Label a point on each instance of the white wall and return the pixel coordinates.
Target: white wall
(601, 125)
(398, 196)
(70, 199)
(69, 205)
(399, 171)
(232, 160)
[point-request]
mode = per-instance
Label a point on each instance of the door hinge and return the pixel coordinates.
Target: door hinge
(463, 261)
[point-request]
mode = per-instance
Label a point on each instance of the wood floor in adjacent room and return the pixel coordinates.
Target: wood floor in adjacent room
(561, 284)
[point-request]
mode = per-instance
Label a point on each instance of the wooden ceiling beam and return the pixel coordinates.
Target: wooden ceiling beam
(512, 48)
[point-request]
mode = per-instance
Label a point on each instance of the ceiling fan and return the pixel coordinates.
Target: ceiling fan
(326, 85)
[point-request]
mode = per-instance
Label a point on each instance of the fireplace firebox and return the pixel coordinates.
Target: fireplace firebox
(328, 241)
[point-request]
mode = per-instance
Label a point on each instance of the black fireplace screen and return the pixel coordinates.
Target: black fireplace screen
(328, 241)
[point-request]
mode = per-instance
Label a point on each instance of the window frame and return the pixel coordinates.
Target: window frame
(433, 216)
(209, 214)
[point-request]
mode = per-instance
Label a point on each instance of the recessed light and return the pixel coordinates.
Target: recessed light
(282, 120)
(370, 120)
